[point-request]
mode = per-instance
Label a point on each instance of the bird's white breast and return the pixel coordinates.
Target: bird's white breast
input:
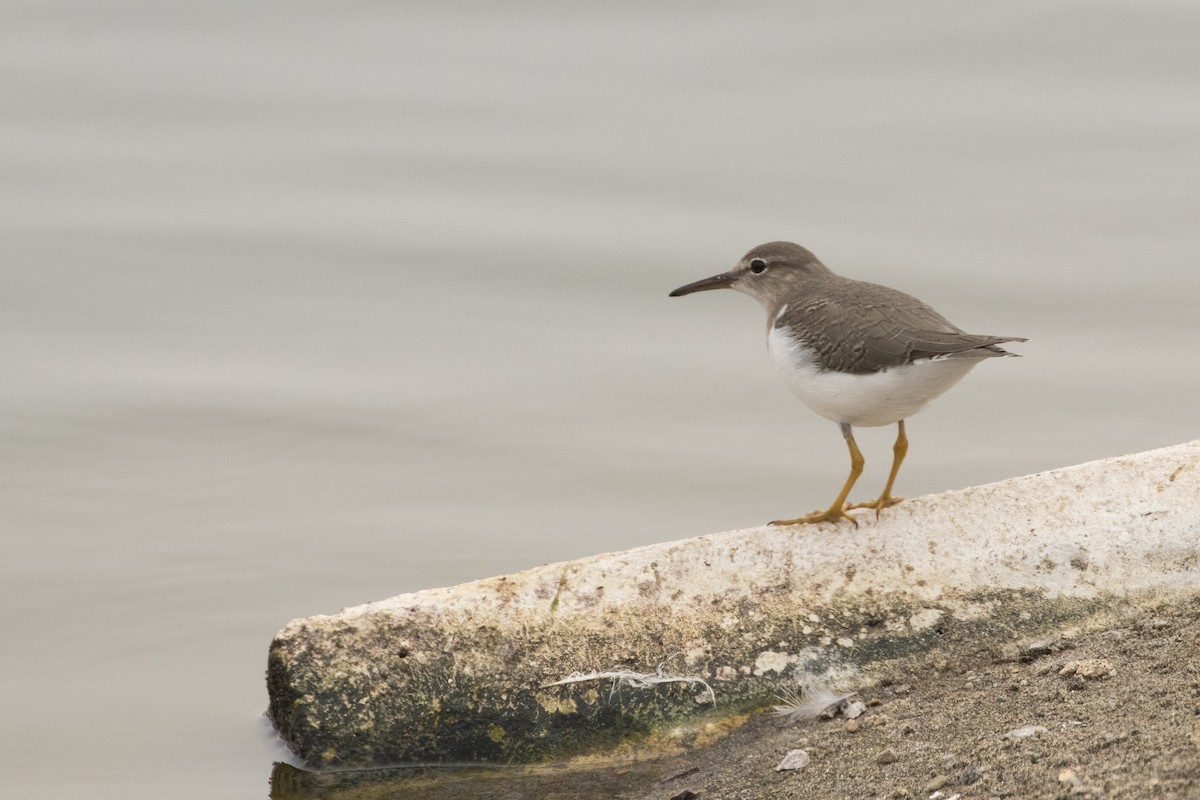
(873, 399)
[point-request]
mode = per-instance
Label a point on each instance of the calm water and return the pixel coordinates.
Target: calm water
(306, 305)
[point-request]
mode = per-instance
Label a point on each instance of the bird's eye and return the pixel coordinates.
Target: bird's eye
(758, 266)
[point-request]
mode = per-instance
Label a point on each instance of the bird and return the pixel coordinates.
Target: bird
(857, 353)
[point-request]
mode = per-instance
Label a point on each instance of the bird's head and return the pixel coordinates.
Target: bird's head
(768, 273)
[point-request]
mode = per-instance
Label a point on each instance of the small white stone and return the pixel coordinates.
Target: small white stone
(854, 710)
(1026, 732)
(795, 759)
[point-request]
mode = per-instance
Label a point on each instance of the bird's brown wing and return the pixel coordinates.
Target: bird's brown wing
(860, 328)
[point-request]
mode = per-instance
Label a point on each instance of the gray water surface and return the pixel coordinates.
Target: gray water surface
(305, 305)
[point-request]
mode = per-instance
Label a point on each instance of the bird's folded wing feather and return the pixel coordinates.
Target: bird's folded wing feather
(863, 328)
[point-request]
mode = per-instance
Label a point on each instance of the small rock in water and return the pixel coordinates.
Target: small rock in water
(1026, 732)
(795, 759)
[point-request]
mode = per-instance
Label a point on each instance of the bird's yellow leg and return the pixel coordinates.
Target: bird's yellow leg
(836, 511)
(900, 449)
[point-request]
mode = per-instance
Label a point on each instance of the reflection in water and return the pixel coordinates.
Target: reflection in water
(633, 765)
(457, 781)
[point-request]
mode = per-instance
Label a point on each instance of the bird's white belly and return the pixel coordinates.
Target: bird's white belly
(878, 398)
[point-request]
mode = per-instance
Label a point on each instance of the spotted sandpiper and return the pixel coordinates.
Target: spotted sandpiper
(854, 352)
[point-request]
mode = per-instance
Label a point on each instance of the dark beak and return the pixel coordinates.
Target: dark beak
(721, 281)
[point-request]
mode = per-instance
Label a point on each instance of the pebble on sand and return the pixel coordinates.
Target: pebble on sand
(795, 759)
(854, 710)
(1026, 732)
(1089, 668)
(1069, 777)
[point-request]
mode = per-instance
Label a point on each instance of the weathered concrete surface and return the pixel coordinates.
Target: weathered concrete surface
(454, 674)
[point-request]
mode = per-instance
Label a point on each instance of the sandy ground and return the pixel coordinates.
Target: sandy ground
(1112, 712)
(1105, 709)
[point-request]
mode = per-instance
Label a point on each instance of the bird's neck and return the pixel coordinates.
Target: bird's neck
(799, 288)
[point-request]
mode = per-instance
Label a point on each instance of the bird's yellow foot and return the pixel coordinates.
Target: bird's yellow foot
(831, 515)
(884, 501)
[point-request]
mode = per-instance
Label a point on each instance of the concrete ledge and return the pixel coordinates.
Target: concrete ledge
(461, 673)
